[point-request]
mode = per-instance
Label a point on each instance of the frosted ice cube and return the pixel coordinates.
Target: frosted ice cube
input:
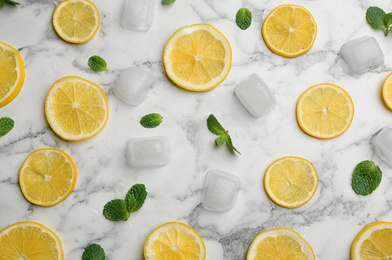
(220, 191)
(137, 15)
(134, 85)
(255, 95)
(381, 144)
(360, 55)
(148, 152)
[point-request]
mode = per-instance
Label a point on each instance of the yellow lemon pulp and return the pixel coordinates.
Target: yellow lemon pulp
(280, 243)
(76, 108)
(373, 242)
(29, 240)
(387, 91)
(289, 30)
(291, 181)
(12, 73)
(47, 177)
(174, 240)
(76, 21)
(197, 57)
(325, 111)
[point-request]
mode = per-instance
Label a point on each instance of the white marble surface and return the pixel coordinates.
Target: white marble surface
(329, 222)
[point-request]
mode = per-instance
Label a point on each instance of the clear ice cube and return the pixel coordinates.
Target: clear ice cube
(220, 191)
(359, 56)
(148, 152)
(381, 144)
(255, 95)
(134, 85)
(137, 15)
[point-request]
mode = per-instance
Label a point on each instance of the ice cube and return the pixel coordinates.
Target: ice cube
(220, 191)
(148, 152)
(137, 15)
(381, 144)
(134, 85)
(360, 55)
(255, 95)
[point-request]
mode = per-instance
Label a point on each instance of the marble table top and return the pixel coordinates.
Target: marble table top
(331, 219)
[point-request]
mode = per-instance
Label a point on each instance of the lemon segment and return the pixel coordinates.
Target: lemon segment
(325, 111)
(289, 30)
(291, 181)
(197, 57)
(174, 240)
(29, 240)
(280, 243)
(12, 73)
(76, 21)
(76, 108)
(387, 91)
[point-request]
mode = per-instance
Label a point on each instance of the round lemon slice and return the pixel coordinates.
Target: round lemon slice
(76, 108)
(76, 21)
(289, 30)
(291, 181)
(29, 240)
(325, 111)
(197, 57)
(47, 177)
(280, 243)
(387, 91)
(373, 242)
(12, 73)
(174, 240)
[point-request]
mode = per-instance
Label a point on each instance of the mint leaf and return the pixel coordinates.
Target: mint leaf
(93, 252)
(220, 140)
(388, 19)
(214, 126)
(151, 120)
(2, 2)
(116, 210)
(366, 178)
(12, 2)
(243, 18)
(375, 16)
(230, 143)
(165, 2)
(97, 63)
(6, 125)
(135, 197)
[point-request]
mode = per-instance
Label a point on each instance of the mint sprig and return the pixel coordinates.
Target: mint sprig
(378, 19)
(6, 125)
(2, 2)
(93, 252)
(97, 63)
(243, 18)
(151, 120)
(366, 178)
(120, 210)
(216, 128)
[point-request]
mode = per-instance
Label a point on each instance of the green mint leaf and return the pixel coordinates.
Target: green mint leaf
(214, 126)
(388, 19)
(366, 178)
(116, 210)
(6, 125)
(375, 16)
(97, 63)
(93, 252)
(165, 2)
(220, 140)
(12, 2)
(230, 143)
(151, 120)
(135, 197)
(2, 2)
(243, 18)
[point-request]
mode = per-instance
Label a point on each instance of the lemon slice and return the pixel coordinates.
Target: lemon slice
(290, 181)
(289, 30)
(47, 177)
(197, 57)
(325, 111)
(12, 73)
(280, 243)
(29, 240)
(76, 21)
(174, 240)
(373, 242)
(76, 108)
(387, 91)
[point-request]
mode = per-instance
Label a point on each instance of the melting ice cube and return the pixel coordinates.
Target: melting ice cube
(134, 85)
(148, 152)
(220, 191)
(381, 144)
(137, 15)
(255, 95)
